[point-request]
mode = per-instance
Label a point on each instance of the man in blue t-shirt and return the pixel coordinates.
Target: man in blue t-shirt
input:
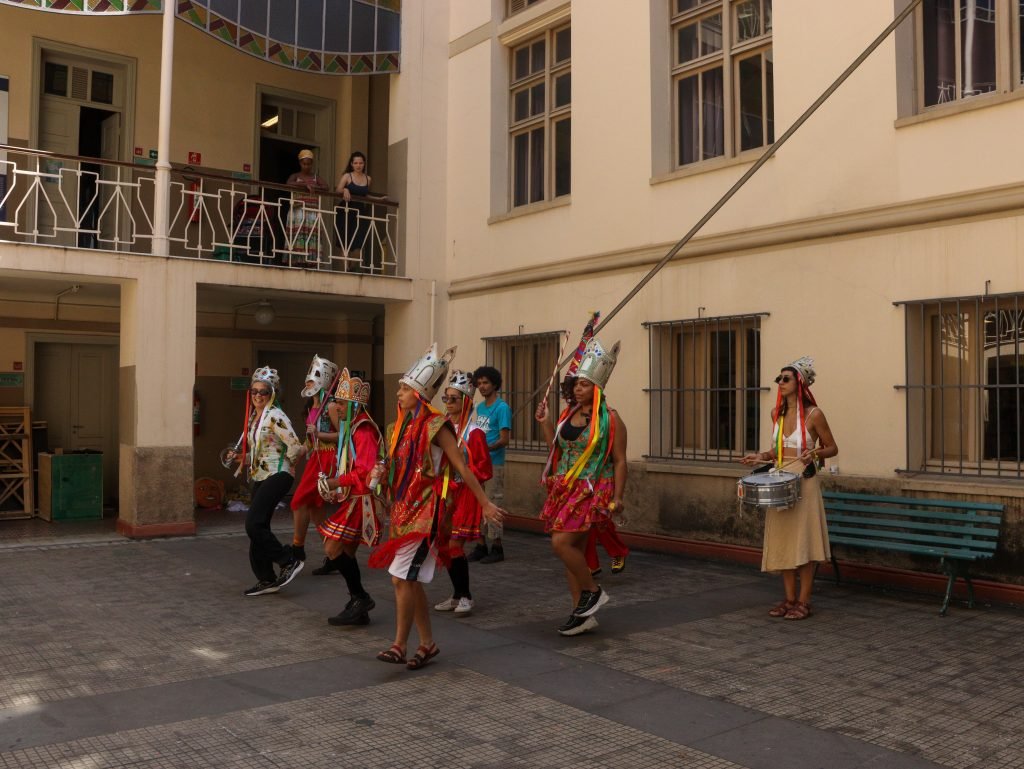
(494, 417)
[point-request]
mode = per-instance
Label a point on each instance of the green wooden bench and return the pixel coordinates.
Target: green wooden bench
(956, 532)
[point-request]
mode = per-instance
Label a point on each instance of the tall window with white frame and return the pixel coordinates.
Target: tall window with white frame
(705, 393)
(722, 78)
(965, 386)
(968, 48)
(541, 121)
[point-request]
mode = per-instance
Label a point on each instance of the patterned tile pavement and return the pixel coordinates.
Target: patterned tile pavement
(91, 625)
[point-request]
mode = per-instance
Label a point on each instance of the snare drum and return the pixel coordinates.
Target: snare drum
(775, 490)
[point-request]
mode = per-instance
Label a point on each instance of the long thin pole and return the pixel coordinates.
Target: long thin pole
(746, 177)
(162, 193)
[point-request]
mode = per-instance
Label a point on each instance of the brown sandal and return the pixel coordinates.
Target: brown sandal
(395, 655)
(422, 656)
(799, 610)
(781, 609)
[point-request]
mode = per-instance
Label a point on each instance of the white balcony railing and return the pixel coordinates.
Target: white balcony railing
(77, 202)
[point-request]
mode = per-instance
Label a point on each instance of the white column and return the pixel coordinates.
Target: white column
(162, 193)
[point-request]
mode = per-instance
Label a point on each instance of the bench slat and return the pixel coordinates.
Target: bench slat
(883, 538)
(885, 524)
(995, 520)
(951, 503)
(909, 548)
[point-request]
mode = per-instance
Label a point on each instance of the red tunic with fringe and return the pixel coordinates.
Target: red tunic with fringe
(347, 523)
(466, 510)
(418, 510)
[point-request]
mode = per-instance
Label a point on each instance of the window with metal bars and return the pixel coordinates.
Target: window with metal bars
(526, 362)
(705, 393)
(965, 386)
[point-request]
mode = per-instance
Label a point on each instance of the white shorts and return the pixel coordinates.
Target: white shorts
(415, 562)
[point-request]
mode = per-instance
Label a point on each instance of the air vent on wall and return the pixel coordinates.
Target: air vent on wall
(79, 83)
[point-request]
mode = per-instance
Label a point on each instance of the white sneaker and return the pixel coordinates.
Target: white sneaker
(464, 608)
(447, 605)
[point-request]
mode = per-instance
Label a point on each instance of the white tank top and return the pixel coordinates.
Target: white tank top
(793, 440)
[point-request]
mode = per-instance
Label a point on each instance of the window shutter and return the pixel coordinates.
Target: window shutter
(79, 83)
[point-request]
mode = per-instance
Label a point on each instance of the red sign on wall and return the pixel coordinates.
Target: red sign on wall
(195, 158)
(138, 151)
(247, 167)
(19, 365)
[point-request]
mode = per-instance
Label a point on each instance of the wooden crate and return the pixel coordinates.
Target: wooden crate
(16, 463)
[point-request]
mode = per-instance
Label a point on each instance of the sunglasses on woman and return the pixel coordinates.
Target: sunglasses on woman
(260, 393)
(783, 379)
(451, 398)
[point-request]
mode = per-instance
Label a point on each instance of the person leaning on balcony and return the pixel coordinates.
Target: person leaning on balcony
(303, 216)
(796, 539)
(354, 216)
(270, 447)
(585, 477)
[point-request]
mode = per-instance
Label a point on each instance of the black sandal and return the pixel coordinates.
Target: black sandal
(422, 656)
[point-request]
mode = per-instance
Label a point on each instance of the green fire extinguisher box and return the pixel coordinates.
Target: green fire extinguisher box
(70, 486)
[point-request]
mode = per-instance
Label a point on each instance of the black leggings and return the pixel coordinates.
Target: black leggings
(264, 548)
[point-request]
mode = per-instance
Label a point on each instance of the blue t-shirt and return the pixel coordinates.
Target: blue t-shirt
(492, 420)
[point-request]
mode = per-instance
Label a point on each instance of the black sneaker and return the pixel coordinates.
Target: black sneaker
(327, 567)
(576, 625)
(356, 612)
(289, 572)
(477, 553)
(262, 588)
(590, 602)
(497, 554)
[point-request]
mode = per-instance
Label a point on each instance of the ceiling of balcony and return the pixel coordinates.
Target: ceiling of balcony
(331, 37)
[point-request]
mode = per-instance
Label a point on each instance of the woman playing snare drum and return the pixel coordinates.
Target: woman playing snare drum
(796, 539)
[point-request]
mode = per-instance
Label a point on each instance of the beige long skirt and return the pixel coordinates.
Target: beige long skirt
(798, 535)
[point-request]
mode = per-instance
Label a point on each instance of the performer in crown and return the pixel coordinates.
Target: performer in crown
(358, 518)
(472, 440)
(422, 456)
(585, 477)
(321, 446)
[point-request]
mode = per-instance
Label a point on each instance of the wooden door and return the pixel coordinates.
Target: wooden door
(56, 197)
(76, 394)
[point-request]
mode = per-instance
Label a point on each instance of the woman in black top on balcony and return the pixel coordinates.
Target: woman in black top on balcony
(354, 217)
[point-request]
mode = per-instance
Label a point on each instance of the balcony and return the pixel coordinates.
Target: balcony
(67, 201)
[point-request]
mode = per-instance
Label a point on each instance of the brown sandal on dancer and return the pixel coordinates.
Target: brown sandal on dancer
(799, 610)
(395, 655)
(781, 609)
(422, 656)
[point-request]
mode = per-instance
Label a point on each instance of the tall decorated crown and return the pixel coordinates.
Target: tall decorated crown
(597, 363)
(428, 373)
(268, 375)
(463, 382)
(352, 388)
(321, 373)
(805, 368)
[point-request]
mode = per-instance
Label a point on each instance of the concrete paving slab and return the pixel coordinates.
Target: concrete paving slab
(145, 654)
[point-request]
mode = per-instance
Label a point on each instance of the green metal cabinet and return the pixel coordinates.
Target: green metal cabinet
(70, 486)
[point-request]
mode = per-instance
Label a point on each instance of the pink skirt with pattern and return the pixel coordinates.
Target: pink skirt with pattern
(579, 507)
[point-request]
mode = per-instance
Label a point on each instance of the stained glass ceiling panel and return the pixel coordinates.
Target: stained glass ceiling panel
(337, 37)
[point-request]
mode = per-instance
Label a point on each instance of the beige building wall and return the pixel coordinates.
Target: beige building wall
(859, 210)
(418, 125)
